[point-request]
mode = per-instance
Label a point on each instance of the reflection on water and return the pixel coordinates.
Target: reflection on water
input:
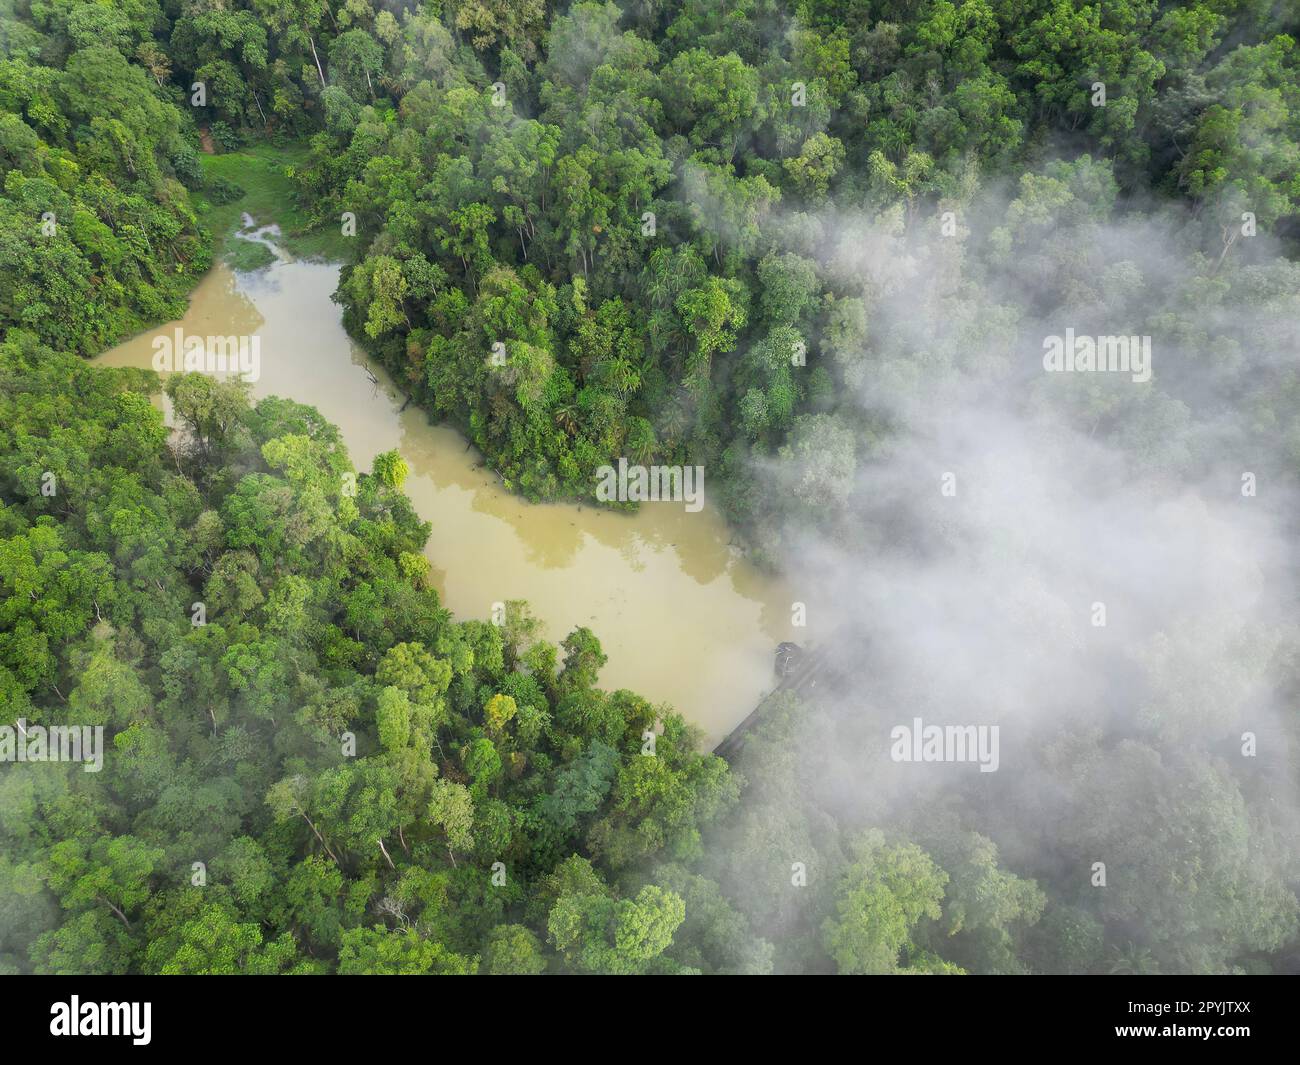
(683, 619)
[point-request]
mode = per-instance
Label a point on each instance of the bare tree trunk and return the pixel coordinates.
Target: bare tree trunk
(119, 913)
(319, 837)
(317, 58)
(1228, 242)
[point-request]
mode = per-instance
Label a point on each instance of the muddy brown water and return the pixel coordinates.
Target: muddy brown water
(684, 619)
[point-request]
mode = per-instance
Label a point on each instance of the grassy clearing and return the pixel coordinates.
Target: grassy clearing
(247, 255)
(263, 172)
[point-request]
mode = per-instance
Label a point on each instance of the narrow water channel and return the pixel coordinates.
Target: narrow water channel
(684, 619)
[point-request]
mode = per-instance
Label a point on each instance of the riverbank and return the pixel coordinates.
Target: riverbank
(263, 173)
(683, 617)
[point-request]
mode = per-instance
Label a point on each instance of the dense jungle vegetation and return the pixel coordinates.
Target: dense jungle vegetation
(652, 206)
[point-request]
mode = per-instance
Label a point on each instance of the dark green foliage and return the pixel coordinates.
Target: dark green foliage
(367, 784)
(97, 235)
(520, 219)
(642, 209)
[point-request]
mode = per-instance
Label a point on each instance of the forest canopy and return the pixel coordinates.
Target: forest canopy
(769, 239)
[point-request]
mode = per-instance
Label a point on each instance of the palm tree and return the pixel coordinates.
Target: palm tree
(675, 421)
(1134, 961)
(641, 442)
(566, 417)
(621, 374)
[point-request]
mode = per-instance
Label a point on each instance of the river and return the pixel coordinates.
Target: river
(683, 617)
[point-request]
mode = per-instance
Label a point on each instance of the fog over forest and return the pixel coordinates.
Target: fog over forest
(1097, 579)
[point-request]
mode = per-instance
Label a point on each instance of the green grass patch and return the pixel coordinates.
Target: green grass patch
(264, 173)
(247, 255)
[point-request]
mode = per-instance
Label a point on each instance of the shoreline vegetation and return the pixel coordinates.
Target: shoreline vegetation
(257, 180)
